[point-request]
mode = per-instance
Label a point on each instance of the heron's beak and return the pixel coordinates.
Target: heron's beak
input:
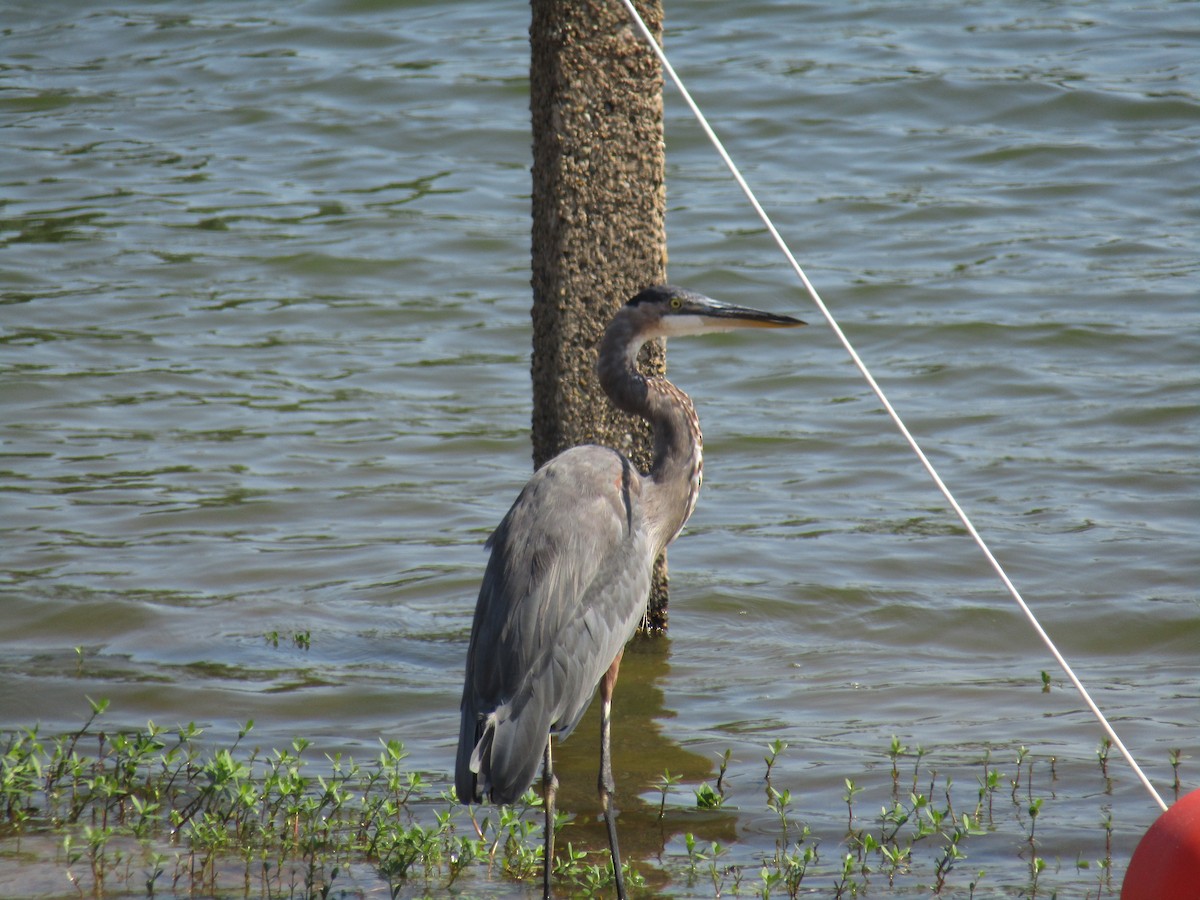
(721, 316)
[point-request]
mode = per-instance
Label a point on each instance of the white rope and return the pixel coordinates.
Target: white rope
(892, 414)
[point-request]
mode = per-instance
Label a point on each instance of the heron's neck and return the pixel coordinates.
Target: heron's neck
(677, 468)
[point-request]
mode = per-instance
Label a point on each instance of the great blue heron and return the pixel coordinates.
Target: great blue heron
(570, 568)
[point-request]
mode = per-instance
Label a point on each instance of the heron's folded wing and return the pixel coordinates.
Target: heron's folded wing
(564, 590)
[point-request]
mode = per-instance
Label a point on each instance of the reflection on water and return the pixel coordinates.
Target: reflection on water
(647, 750)
(263, 370)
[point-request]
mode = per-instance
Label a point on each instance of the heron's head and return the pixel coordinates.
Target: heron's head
(667, 311)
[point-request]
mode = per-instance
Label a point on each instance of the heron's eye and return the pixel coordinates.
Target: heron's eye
(676, 303)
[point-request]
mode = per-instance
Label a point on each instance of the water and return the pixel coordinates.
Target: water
(264, 276)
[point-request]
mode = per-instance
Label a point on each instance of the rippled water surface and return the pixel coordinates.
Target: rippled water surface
(264, 369)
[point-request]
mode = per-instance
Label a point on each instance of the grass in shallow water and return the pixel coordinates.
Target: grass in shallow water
(165, 812)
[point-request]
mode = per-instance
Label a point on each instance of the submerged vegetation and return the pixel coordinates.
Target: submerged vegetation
(165, 812)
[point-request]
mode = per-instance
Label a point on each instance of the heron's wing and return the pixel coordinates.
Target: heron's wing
(564, 590)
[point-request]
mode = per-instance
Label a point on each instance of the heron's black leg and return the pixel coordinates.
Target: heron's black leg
(607, 785)
(550, 783)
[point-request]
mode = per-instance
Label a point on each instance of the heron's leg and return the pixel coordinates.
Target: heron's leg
(550, 783)
(607, 785)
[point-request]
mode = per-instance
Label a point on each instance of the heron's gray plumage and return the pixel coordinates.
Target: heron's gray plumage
(545, 629)
(569, 573)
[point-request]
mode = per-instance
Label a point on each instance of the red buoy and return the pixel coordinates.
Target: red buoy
(1166, 863)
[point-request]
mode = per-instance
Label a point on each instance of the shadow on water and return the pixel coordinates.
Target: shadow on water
(642, 752)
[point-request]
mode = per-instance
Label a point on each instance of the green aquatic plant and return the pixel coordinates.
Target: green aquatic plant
(707, 798)
(171, 811)
(664, 784)
(301, 640)
(1175, 757)
(895, 752)
(774, 749)
(1102, 753)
